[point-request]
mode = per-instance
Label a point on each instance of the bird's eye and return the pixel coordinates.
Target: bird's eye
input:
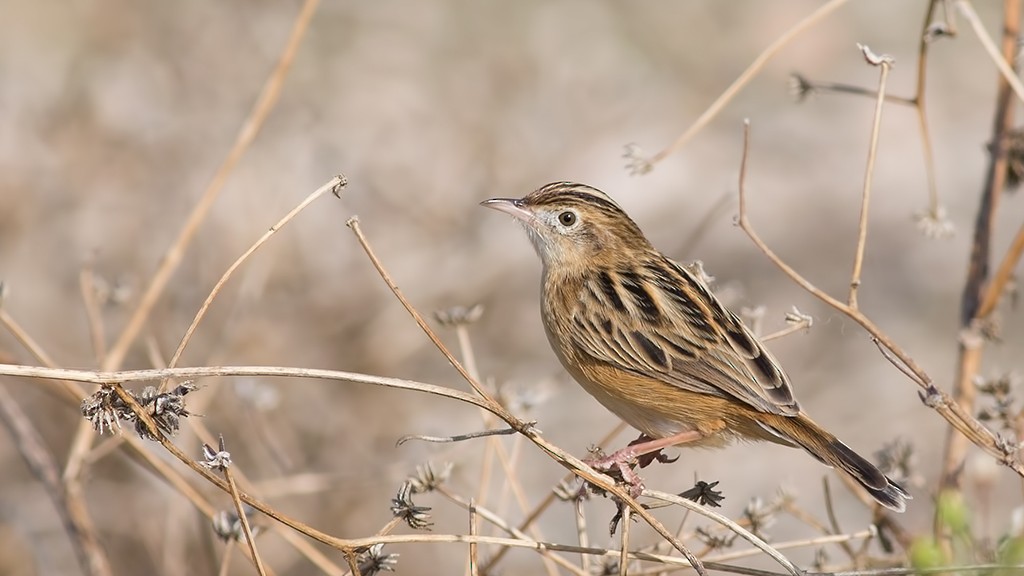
(567, 218)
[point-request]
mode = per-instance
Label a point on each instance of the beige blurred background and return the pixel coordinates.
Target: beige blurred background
(116, 114)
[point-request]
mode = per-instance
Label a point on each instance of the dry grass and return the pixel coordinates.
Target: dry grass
(120, 237)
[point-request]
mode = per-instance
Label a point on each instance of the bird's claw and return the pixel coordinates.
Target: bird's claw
(620, 467)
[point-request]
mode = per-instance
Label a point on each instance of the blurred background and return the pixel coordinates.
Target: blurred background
(116, 114)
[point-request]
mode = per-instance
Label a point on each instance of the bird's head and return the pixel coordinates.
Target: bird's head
(572, 225)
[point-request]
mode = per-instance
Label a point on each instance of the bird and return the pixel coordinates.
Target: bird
(649, 340)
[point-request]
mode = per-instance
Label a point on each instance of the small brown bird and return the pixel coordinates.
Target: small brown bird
(647, 338)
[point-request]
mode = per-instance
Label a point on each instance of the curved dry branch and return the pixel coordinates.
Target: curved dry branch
(960, 419)
(641, 166)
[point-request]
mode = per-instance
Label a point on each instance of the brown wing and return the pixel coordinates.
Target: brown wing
(671, 327)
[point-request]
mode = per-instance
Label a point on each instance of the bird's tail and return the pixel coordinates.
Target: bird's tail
(821, 444)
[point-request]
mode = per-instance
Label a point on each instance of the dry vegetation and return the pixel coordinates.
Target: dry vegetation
(254, 380)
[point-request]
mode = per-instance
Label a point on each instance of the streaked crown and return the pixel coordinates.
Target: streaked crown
(573, 224)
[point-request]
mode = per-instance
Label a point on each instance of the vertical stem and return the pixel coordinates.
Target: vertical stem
(922, 115)
(862, 228)
(970, 346)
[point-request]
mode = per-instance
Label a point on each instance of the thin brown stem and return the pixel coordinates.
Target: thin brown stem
(731, 525)
(25, 339)
(833, 520)
(192, 372)
(920, 100)
(261, 109)
(492, 404)
(1004, 273)
(862, 229)
(244, 519)
(501, 524)
(802, 324)
(114, 379)
(1001, 60)
(748, 74)
(333, 185)
(97, 334)
(840, 88)
(624, 542)
(971, 341)
(474, 564)
(581, 469)
(550, 498)
(960, 419)
(80, 529)
(66, 390)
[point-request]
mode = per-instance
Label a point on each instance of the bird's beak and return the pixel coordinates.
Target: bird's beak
(512, 206)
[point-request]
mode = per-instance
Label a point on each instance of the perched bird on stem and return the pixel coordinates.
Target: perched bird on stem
(647, 338)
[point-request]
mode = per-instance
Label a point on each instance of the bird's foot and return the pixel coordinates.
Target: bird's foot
(619, 466)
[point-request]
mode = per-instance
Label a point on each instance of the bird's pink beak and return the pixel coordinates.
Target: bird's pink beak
(512, 206)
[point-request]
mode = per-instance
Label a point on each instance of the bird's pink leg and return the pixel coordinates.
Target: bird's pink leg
(623, 460)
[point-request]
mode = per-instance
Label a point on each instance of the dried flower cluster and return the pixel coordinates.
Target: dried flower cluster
(1003, 409)
(402, 506)
(216, 458)
(704, 494)
(106, 409)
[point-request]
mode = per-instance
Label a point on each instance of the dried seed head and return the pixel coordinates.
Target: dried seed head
(459, 315)
(374, 561)
(761, 516)
(167, 409)
(800, 87)
(427, 478)
(637, 164)
(105, 410)
(228, 526)
(417, 517)
(704, 494)
(1003, 409)
(934, 224)
(715, 541)
(795, 316)
(216, 459)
